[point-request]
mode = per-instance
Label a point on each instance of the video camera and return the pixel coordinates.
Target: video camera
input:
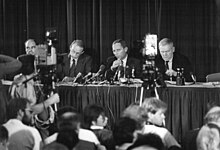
(46, 60)
(150, 73)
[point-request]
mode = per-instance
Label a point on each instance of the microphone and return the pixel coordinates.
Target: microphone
(86, 76)
(77, 77)
(193, 77)
(100, 71)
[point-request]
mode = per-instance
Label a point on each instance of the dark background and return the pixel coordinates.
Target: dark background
(193, 25)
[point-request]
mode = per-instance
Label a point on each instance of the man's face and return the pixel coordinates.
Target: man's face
(30, 47)
(158, 117)
(28, 115)
(76, 51)
(102, 120)
(119, 51)
(166, 51)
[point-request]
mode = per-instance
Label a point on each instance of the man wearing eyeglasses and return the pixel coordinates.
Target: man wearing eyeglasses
(76, 63)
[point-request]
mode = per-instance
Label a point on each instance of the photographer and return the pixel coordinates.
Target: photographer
(23, 87)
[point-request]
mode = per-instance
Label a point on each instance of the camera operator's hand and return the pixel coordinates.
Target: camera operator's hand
(171, 72)
(53, 99)
(68, 79)
(116, 63)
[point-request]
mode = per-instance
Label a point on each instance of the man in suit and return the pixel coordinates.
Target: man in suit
(168, 61)
(75, 64)
(121, 58)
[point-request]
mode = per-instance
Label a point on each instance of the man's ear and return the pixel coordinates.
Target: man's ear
(20, 113)
(126, 49)
(173, 49)
(93, 123)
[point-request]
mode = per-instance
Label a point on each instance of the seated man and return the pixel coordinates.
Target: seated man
(76, 63)
(169, 60)
(121, 58)
(30, 46)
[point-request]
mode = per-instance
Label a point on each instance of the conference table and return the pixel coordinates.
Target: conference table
(187, 104)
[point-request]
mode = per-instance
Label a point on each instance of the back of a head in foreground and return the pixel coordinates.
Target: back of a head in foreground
(134, 111)
(153, 104)
(123, 131)
(15, 105)
(68, 118)
(55, 146)
(147, 142)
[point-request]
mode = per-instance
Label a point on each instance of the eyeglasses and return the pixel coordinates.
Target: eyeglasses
(32, 47)
(77, 53)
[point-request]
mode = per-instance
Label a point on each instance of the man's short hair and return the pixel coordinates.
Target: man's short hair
(77, 43)
(165, 41)
(134, 111)
(29, 40)
(213, 115)
(122, 42)
(15, 105)
(154, 104)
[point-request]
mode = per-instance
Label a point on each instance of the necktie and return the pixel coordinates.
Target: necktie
(73, 63)
(166, 65)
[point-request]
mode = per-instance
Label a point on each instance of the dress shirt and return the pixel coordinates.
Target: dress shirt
(15, 126)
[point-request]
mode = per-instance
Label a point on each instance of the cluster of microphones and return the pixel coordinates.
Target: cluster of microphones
(89, 76)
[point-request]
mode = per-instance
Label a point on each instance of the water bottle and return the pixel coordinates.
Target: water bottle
(178, 77)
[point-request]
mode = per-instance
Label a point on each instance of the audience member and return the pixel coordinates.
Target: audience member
(43, 112)
(208, 137)
(68, 137)
(156, 116)
(124, 133)
(137, 113)
(21, 136)
(148, 141)
(68, 118)
(3, 138)
(75, 64)
(94, 119)
(169, 60)
(8, 65)
(122, 58)
(30, 46)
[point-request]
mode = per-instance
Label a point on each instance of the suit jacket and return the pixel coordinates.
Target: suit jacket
(131, 63)
(84, 65)
(179, 61)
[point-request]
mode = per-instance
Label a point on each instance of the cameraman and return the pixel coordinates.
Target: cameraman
(23, 87)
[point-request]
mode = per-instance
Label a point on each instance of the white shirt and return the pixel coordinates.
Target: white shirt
(125, 61)
(71, 61)
(15, 125)
(170, 63)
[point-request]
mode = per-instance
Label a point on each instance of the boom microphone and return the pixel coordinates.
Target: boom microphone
(77, 77)
(100, 71)
(86, 76)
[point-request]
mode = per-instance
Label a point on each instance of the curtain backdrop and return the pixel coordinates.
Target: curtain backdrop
(193, 25)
